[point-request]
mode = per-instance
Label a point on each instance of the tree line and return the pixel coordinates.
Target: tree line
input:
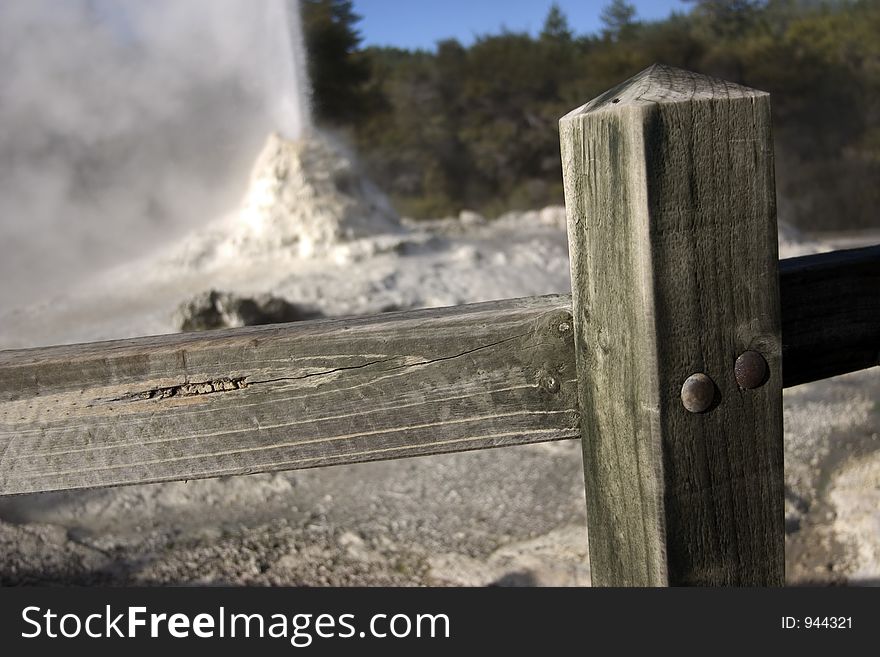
(476, 126)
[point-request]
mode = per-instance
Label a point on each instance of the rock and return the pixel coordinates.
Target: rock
(213, 309)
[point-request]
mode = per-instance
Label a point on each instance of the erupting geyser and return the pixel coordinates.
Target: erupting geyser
(306, 191)
(287, 83)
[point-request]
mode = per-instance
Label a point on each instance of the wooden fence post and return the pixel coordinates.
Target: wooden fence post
(672, 230)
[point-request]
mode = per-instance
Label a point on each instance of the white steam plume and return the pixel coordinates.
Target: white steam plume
(126, 124)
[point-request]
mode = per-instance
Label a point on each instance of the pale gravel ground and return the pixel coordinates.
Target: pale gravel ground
(832, 473)
(507, 516)
(510, 516)
(855, 496)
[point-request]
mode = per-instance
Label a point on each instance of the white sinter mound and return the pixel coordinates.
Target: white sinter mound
(304, 196)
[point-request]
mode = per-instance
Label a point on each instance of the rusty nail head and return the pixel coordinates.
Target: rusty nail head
(697, 393)
(750, 369)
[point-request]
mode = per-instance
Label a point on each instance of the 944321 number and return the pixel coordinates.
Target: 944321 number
(817, 622)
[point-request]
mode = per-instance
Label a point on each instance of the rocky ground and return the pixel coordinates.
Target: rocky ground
(513, 516)
(832, 474)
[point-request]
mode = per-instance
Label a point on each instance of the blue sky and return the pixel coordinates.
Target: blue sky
(420, 23)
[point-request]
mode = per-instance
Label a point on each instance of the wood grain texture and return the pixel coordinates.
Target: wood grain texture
(830, 314)
(672, 231)
(287, 396)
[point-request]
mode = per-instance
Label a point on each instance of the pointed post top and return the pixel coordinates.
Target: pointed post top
(664, 84)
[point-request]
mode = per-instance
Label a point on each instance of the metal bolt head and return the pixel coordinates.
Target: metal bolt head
(750, 369)
(697, 393)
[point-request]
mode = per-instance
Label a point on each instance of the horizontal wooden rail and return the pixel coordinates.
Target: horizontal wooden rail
(830, 314)
(348, 390)
(287, 396)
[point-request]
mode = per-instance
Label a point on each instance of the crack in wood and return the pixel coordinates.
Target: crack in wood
(186, 389)
(385, 360)
(323, 373)
(226, 384)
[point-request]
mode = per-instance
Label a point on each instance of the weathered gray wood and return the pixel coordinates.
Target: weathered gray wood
(672, 231)
(830, 314)
(287, 396)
